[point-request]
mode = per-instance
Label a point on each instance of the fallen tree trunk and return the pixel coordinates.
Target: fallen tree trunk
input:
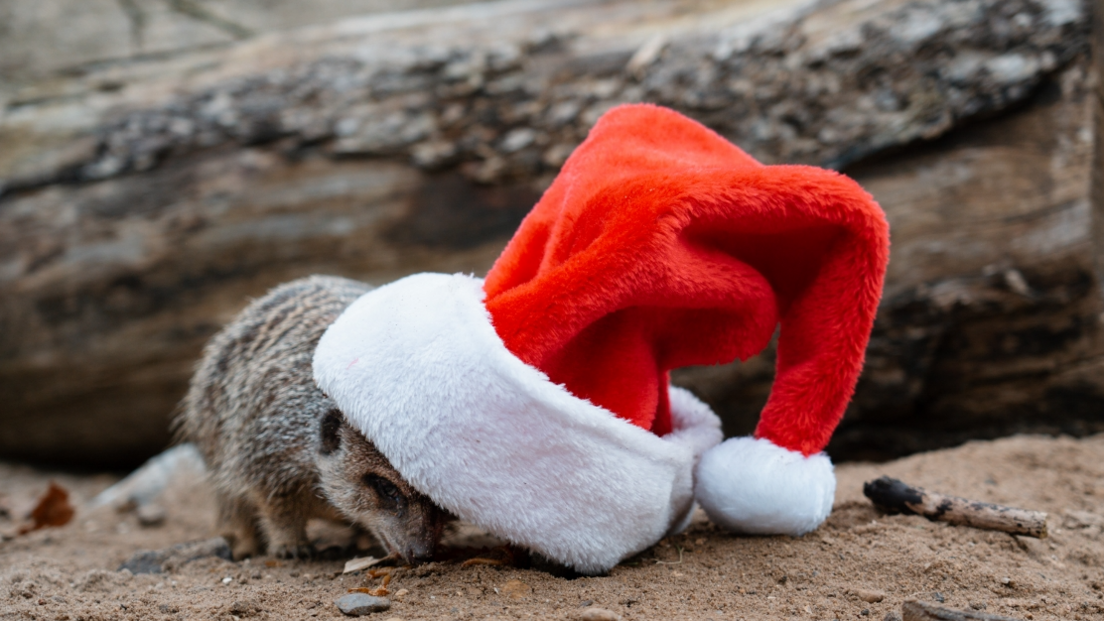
(144, 201)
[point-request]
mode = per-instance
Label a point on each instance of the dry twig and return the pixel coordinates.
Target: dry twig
(897, 497)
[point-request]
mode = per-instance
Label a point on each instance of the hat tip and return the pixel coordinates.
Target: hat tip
(751, 485)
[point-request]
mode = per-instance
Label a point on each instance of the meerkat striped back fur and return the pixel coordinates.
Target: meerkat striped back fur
(278, 450)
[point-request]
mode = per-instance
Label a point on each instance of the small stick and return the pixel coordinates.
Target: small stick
(897, 497)
(479, 560)
(913, 610)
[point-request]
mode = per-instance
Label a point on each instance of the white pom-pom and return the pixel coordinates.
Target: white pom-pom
(754, 486)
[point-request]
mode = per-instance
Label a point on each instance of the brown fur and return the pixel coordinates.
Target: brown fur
(279, 451)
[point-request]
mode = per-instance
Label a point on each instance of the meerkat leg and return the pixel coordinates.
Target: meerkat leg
(237, 523)
(285, 528)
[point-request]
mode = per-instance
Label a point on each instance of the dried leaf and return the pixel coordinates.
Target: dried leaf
(358, 564)
(53, 509)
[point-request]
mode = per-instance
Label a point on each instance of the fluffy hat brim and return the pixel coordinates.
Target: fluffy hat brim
(418, 368)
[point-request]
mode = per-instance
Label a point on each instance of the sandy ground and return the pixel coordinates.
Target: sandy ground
(69, 573)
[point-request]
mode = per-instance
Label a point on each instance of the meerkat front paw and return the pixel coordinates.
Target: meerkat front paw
(293, 550)
(242, 547)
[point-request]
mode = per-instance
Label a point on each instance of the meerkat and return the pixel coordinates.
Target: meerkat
(279, 451)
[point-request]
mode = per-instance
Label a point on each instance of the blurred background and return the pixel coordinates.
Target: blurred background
(163, 161)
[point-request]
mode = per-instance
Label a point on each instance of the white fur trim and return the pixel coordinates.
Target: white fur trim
(418, 368)
(754, 486)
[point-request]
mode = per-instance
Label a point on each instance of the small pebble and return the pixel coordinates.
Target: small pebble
(399, 595)
(870, 597)
(595, 613)
(358, 604)
(150, 515)
(516, 589)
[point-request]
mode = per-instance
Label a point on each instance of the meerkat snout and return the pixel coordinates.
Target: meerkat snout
(363, 486)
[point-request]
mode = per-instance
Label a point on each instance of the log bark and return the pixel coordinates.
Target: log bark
(898, 497)
(144, 201)
(1097, 191)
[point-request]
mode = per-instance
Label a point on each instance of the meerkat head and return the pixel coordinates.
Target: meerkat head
(361, 483)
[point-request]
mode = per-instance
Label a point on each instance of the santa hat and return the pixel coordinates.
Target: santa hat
(536, 403)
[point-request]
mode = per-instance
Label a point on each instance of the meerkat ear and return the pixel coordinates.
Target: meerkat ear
(330, 430)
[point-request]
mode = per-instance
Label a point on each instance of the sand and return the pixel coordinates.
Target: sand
(838, 572)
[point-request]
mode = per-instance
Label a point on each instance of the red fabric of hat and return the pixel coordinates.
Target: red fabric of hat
(662, 245)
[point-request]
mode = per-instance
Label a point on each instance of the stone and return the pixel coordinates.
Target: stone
(169, 559)
(150, 516)
(594, 613)
(920, 611)
(516, 589)
(146, 484)
(869, 596)
(245, 608)
(360, 604)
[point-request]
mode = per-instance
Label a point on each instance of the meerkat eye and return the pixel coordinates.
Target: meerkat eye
(385, 489)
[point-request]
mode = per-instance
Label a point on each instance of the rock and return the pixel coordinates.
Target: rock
(869, 596)
(145, 485)
(145, 562)
(594, 613)
(516, 589)
(140, 211)
(359, 604)
(169, 559)
(150, 516)
(245, 608)
(919, 611)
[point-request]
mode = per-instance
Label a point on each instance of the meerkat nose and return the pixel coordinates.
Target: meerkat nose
(417, 552)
